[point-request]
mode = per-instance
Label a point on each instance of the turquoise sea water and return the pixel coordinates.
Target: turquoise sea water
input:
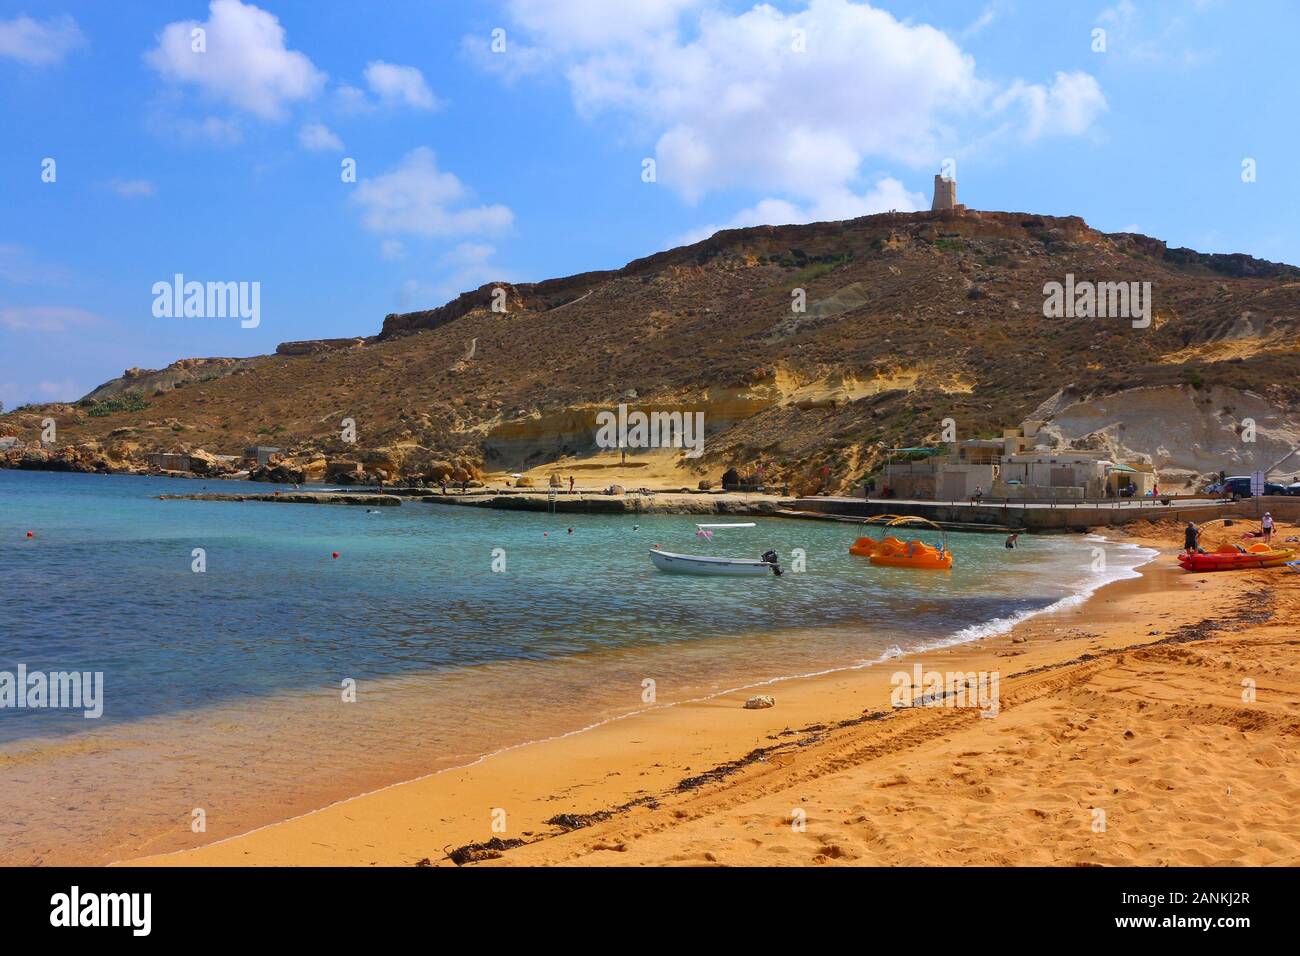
(413, 610)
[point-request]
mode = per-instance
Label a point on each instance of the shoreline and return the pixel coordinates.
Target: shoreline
(986, 516)
(428, 719)
(989, 629)
(624, 765)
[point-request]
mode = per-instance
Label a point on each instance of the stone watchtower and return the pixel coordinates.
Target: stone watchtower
(945, 194)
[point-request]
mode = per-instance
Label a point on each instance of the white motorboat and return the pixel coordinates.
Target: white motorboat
(698, 564)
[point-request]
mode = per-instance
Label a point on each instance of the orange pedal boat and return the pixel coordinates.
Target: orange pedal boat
(895, 553)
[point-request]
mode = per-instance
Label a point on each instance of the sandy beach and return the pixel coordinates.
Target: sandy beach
(1153, 724)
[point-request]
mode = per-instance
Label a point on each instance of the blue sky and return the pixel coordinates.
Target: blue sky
(474, 165)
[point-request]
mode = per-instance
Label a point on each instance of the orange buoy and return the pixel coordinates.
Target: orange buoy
(31, 534)
(334, 554)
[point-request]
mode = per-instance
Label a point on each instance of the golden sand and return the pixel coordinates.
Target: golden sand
(1156, 724)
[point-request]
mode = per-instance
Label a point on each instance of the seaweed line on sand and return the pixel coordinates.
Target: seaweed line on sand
(1258, 609)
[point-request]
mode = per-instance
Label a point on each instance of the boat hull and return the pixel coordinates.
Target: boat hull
(864, 547)
(1221, 561)
(695, 564)
(893, 553)
(928, 562)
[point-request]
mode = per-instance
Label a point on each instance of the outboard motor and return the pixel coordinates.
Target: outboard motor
(772, 558)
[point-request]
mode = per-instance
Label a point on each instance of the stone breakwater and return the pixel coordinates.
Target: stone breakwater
(296, 498)
(630, 503)
(669, 503)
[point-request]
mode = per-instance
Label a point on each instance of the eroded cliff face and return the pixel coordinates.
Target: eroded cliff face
(574, 432)
(1188, 434)
(519, 444)
(810, 349)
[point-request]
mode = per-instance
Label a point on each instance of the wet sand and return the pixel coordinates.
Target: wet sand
(1154, 724)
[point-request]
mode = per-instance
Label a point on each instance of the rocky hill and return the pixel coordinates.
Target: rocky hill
(909, 319)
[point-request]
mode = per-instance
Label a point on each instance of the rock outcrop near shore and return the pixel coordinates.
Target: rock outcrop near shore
(809, 349)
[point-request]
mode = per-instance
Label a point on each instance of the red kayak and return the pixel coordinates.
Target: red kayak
(1229, 558)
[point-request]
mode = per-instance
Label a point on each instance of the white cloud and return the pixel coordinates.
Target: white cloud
(352, 100)
(888, 194)
(319, 138)
(1130, 36)
(739, 104)
(66, 390)
(587, 24)
(392, 250)
(981, 23)
(44, 318)
(19, 266)
(786, 104)
(132, 188)
(39, 42)
(246, 62)
(392, 85)
(1068, 107)
(417, 198)
(211, 129)
(467, 266)
(399, 84)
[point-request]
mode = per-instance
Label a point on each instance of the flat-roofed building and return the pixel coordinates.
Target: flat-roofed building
(261, 454)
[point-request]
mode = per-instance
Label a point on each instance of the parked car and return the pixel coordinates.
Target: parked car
(1238, 487)
(1293, 488)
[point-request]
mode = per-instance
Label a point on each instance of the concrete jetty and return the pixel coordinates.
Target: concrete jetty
(984, 515)
(1033, 515)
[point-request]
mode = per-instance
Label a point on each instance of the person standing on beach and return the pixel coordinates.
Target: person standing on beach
(570, 484)
(1266, 525)
(1192, 538)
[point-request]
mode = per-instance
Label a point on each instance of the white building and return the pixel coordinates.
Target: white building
(1011, 467)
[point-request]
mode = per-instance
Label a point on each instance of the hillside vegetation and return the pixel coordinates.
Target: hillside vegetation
(909, 319)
